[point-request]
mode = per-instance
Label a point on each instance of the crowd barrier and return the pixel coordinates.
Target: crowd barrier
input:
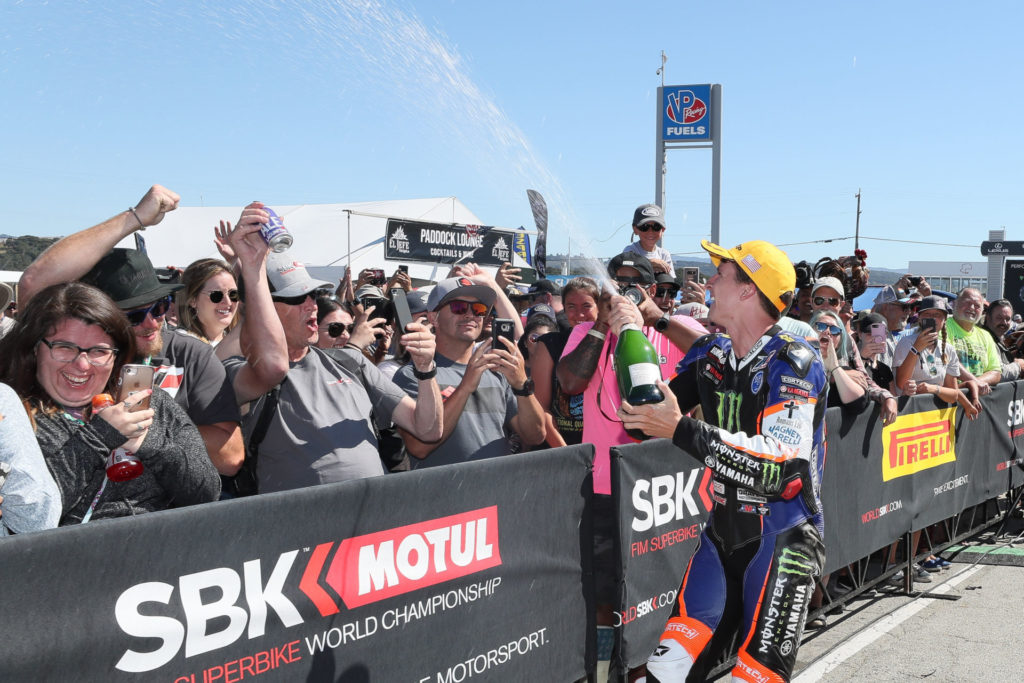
(479, 571)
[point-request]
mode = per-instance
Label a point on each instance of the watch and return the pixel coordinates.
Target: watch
(526, 390)
(427, 374)
(662, 323)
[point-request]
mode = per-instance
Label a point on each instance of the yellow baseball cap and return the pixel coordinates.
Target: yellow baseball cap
(764, 263)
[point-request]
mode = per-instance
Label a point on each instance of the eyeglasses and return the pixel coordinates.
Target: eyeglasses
(216, 296)
(298, 298)
(459, 307)
(157, 310)
(336, 329)
(66, 352)
(667, 291)
(832, 300)
(834, 330)
(645, 228)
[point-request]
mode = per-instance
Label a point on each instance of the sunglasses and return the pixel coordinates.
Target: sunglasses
(645, 228)
(459, 307)
(834, 330)
(298, 298)
(157, 310)
(667, 291)
(336, 329)
(832, 300)
(629, 280)
(216, 296)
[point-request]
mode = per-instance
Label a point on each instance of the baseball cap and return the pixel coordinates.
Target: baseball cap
(864, 322)
(832, 282)
(933, 303)
(372, 291)
(543, 287)
(541, 310)
(693, 309)
(417, 302)
(648, 213)
(631, 260)
(127, 276)
(446, 290)
(6, 296)
(764, 263)
(287, 277)
(665, 279)
(888, 295)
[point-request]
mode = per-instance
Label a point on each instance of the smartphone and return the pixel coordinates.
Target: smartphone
(502, 327)
(878, 332)
(133, 379)
(381, 307)
(691, 274)
(927, 324)
(377, 276)
(401, 306)
(404, 269)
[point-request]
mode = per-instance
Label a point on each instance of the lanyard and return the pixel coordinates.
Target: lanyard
(96, 498)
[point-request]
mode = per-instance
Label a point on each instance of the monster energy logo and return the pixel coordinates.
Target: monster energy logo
(729, 410)
(771, 475)
(792, 562)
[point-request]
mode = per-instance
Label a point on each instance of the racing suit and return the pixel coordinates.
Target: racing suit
(755, 565)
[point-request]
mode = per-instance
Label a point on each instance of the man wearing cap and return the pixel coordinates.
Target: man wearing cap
(763, 394)
(480, 407)
(666, 289)
(314, 412)
(895, 308)
(187, 368)
(648, 227)
(6, 298)
(547, 293)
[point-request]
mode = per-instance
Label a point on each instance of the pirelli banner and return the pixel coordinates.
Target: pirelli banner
(468, 572)
(664, 497)
(417, 241)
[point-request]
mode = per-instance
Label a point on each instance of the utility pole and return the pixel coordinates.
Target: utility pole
(856, 234)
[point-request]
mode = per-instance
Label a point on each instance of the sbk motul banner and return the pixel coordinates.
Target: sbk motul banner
(663, 498)
(422, 242)
(453, 573)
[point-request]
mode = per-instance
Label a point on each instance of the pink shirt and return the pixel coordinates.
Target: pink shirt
(601, 425)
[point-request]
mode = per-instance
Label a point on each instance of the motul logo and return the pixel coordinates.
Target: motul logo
(222, 605)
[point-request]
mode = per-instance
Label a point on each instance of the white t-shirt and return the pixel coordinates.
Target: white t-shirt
(929, 367)
(658, 253)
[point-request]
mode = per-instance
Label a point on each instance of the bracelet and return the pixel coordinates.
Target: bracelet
(594, 333)
(354, 347)
(141, 226)
(915, 351)
(426, 374)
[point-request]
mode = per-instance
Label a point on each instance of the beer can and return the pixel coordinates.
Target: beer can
(274, 233)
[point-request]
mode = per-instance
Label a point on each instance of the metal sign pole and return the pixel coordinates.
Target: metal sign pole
(716, 163)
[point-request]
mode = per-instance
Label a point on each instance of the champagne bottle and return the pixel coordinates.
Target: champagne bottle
(637, 370)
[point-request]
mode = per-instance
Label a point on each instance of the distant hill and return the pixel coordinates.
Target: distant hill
(17, 252)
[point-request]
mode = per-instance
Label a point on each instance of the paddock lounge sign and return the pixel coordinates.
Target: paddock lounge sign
(422, 242)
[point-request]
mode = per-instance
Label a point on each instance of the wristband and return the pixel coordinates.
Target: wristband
(141, 226)
(915, 351)
(594, 333)
(426, 374)
(525, 390)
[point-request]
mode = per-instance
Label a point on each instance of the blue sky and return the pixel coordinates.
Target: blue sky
(302, 101)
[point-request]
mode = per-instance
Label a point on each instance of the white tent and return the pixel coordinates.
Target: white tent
(324, 234)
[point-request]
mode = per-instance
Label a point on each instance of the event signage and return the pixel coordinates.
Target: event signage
(350, 581)
(421, 242)
(1002, 248)
(686, 113)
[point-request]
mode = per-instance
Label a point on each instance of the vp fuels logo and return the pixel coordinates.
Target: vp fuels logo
(684, 107)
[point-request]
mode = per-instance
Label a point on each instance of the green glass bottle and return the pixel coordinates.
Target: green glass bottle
(637, 370)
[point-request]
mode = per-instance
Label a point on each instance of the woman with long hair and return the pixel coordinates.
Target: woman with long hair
(71, 346)
(208, 303)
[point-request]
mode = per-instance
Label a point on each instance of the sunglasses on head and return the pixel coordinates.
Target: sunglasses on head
(832, 300)
(297, 299)
(216, 296)
(459, 307)
(336, 329)
(834, 330)
(645, 228)
(157, 310)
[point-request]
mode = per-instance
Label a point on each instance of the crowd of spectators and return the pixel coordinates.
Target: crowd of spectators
(267, 379)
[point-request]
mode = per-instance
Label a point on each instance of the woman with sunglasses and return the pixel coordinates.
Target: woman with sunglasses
(208, 302)
(846, 385)
(334, 321)
(71, 347)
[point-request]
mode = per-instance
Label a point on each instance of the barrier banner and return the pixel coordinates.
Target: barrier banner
(1009, 415)
(663, 498)
(471, 571)
(418, 241)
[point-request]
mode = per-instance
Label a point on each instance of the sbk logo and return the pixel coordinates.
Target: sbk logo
(364, 569)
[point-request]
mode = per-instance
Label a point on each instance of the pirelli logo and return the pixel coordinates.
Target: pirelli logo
(917, 442)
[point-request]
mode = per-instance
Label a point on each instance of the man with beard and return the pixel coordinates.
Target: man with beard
(975, 347)
(999, 321)
(186, 367)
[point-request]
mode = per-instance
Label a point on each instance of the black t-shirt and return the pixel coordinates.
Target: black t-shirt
(566, 409)
(190, 372)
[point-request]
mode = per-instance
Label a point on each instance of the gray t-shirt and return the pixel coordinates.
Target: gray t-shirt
(321, 432)
(482, 429)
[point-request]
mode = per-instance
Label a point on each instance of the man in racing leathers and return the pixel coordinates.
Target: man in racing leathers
(763, 395)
